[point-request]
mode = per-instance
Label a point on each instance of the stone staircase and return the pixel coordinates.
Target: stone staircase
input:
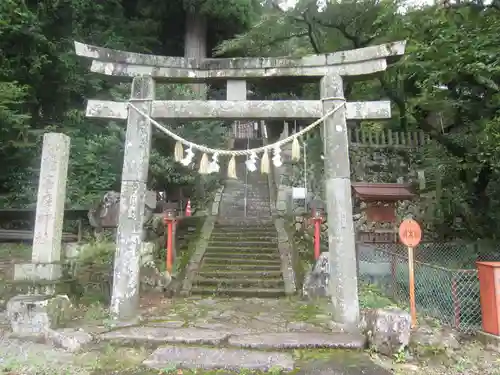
(256, 189)
(242, 257)
(241, 260)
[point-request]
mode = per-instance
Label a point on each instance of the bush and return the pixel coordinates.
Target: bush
(93, 273)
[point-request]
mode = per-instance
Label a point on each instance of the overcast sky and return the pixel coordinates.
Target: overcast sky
(290, 3)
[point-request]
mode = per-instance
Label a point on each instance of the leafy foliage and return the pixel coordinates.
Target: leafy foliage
(44, 87)
(446, 85)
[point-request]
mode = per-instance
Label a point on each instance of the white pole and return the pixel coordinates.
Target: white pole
(305, 175)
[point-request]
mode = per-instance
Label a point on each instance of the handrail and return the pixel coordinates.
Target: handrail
(246, 181)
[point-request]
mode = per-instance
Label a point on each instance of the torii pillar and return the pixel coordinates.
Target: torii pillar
(341, 242)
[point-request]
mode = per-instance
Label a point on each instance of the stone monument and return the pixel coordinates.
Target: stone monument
(35, 313)
(328, 68)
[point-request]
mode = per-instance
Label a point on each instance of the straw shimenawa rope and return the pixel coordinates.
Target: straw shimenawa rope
(265, 149)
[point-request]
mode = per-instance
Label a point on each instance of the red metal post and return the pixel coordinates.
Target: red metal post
(317, 237)
(456, 301)
(169, 246)
(169, 220)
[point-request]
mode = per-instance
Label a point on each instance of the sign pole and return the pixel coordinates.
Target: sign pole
(411, 273)
(410, 235)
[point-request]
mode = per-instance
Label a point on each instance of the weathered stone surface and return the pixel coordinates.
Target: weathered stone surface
(253, 109)
(70, 339)
(301, 326)
(285, 249)
(353, 62)
(37, 272)
(106, 211)
(153, 278)
(387, 330)
(296, 340)
(166, 335)
(341, 243)
(230, 329)
(168, 324)
(317, 280)
(219, 358)
(32, 358)
(33, 315)
(126, 283)
(386, 50)
(50, 200)
(346, 364)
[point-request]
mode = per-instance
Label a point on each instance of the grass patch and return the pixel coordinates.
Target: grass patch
(370, 297)
(306, 312)
(14, 251)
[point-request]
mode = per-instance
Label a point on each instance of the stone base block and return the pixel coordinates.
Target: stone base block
(491, 342)
(37, 272)
(388, 330)
(69, 339)
(34, 315)
(316, 281)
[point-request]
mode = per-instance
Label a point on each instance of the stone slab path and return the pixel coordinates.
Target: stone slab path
(233, 334)
(201, 334)
(299, 340)
(247, 315)
(220, 358)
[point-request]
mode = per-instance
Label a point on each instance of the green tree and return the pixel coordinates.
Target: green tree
(447, 84)
(44, 87)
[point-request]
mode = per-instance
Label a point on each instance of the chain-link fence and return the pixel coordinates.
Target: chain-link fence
(446, 282)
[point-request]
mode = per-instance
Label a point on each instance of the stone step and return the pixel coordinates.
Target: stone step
(247, 266)
(238, 292)
(239, 283)
(250, 256)
(233, 217)
(195, 358)
(155, 333)
(235, 245)
(222, 250)
(218, 259)
(232, 237)
(242, 235)
(263, 274)
(299, 340)
(246, 229)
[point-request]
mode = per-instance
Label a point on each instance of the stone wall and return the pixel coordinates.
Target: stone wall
(367, 165)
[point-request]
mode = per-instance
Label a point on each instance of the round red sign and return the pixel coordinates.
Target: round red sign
(410, 233)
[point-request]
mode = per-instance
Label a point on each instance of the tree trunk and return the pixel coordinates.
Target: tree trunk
(195, 44)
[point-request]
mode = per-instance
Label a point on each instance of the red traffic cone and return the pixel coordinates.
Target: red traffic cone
(188, 208)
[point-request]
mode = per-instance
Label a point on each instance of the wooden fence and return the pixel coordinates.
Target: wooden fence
(387, 138)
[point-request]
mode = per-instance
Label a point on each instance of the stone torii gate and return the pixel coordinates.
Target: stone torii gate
(144, 70)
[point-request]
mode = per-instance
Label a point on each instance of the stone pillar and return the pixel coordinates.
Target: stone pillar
(125, 296)
(51, 199)
(46, 253)
(235, 90)
(38, 312)
(341, 243)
